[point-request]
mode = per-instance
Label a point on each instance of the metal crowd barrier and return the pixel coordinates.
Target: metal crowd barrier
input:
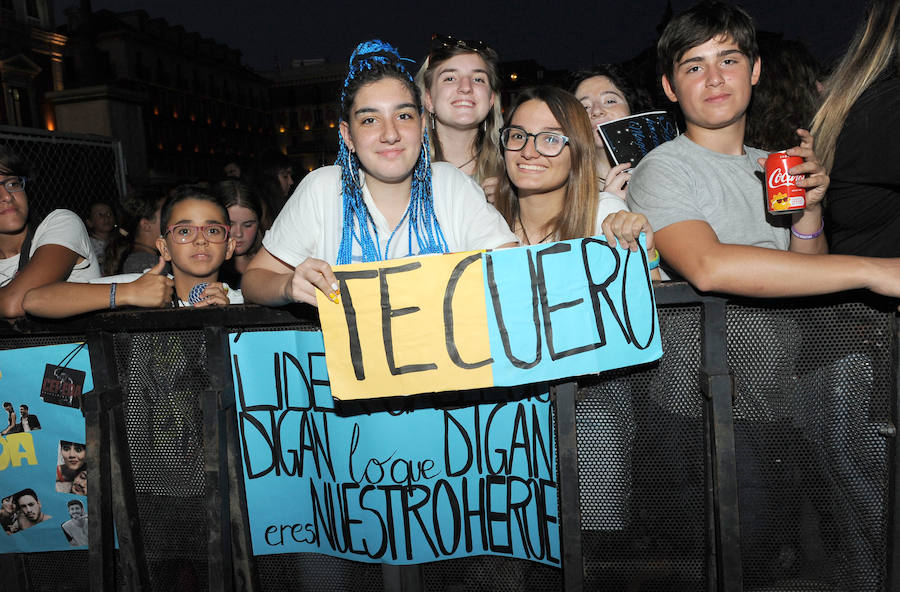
(758, 454)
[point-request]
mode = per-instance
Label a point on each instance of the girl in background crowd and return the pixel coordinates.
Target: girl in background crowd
(550, 192)
(460, 84)
(56, 250)
(133, 248)
(274, 179)
(856, 133)
(606, 94)
(101, 224)
(247, 228)
(383, 200)
(232, 168)
(786, 96)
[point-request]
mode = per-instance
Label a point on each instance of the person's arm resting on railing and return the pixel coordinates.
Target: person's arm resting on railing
(270, 281)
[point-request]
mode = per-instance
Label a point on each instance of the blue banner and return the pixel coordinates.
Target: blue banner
(567, 309)
(399, 488)
(43, 468)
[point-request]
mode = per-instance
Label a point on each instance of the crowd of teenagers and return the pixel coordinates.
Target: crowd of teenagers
(428, 164)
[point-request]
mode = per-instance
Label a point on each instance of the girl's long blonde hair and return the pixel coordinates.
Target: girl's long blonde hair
(873, 52)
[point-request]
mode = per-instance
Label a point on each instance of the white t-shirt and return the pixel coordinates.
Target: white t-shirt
(64, 228)
(311, 223)
(608, 204)
(234, 296)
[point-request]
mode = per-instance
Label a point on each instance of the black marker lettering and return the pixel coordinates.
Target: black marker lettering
(547, 310)
(453, 352)
(350, 315)
(388, 313)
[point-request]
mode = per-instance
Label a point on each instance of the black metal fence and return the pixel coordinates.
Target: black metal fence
(758, 454)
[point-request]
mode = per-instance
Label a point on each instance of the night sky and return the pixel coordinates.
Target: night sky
(557, 33)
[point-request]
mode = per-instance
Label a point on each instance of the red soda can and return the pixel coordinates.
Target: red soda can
(782, 194)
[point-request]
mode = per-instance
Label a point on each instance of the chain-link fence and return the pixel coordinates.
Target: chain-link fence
(67, 170)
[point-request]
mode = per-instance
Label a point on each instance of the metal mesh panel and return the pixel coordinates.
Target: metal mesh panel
(163, 376)
(814, 389)
(487, 573)
(641, 461)
(493, 573)
(67, 171)
(37, 341)
(299, 572)
(57, 571)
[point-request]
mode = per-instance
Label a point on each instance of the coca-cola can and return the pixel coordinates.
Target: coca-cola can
(782, 194)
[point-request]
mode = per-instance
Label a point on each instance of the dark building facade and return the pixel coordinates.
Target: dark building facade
(31, 63)
(305, 105)
(182, 104)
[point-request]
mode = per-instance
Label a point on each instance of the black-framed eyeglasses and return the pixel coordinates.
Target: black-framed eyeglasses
(14, 184)
(439, 42)
(187, 233)
(514, 138)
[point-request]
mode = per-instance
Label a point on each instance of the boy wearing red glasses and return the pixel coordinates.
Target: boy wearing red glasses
(194, 227)
(195, 239)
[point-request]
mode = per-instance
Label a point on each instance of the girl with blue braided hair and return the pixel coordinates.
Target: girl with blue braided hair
(383, 198)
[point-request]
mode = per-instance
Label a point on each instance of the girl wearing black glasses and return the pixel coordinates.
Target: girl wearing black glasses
(550, 190)
(460, 84)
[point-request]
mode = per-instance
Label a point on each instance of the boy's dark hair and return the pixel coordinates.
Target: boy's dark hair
(24, 406)
(185, 192)
(705, 20)
(27, 491)
(75, 503)
(13, 164)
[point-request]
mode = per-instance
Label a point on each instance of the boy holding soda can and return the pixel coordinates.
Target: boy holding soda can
(704, 191)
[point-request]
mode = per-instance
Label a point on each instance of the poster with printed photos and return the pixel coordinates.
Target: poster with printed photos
(43, 462)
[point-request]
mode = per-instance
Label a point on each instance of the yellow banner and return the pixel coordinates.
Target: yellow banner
(428, 329)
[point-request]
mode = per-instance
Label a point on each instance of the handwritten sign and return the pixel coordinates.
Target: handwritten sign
(629, 139)
(43, 473)
(478, 320)
(400, 488)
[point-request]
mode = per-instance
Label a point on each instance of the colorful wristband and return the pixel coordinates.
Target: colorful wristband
(816, 234)
(112, 296)
(654, 260)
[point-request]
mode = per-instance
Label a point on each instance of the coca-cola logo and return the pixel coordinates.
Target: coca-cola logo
(780, 177)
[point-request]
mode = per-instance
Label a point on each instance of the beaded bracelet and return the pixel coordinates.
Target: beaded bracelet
(112, 296)
(816, 234)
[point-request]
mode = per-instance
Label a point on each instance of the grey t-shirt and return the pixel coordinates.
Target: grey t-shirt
(139, 262)
(681, 181)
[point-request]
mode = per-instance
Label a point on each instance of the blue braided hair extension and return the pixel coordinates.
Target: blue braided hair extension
(371, 61)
